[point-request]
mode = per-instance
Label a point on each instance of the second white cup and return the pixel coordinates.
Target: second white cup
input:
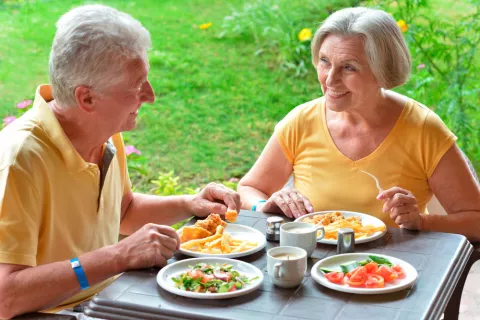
(301, 235)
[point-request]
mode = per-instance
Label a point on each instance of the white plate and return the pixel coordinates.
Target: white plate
(164, 277)
(334, 263)
(238, 232)
(366, 220)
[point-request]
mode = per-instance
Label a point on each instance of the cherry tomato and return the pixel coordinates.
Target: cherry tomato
(374, 281)
(335, 277)
(399, 270)
(387, 273)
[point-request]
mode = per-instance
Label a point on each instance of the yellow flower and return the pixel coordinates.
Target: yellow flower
(305, 34)
(402, 25)
(205, 26)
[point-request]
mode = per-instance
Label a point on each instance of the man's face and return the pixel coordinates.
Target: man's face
(117, 108)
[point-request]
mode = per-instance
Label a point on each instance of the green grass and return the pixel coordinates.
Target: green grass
(217, 103)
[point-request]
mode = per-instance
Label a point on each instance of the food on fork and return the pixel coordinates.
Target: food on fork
(335, 220)
(231, 215)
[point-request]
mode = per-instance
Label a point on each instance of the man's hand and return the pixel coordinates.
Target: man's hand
(403, 208)
(151, 246)
(214, 198)
(289, 202)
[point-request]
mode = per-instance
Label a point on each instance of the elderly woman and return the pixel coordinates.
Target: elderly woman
(360, 124)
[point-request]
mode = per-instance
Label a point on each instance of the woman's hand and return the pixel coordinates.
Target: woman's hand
(403, 208)
(289, 202)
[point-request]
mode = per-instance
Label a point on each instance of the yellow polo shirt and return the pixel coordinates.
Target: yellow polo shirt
(331, 181)
(51, 208)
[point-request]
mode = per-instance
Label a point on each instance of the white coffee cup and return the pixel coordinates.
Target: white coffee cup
(286, 266)
(302, 235)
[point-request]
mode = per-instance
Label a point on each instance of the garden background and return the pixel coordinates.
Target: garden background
(225, 72)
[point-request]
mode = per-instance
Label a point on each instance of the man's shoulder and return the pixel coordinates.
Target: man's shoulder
(22, 143)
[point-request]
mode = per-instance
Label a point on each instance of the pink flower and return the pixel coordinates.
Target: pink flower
(421, 66)
(131, 149)
(24, 104)
(9, 119)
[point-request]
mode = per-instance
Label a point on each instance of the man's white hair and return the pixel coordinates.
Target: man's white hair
(385, 46)
(91, 47)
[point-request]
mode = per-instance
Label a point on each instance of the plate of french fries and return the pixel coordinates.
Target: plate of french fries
(366, 227)
(214, 237)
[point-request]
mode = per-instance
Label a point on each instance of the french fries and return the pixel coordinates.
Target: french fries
(219, 243)
(335, 220)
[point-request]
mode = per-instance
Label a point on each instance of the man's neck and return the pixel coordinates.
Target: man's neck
(82, 132)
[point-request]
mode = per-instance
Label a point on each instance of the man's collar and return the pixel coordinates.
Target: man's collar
(73, 161)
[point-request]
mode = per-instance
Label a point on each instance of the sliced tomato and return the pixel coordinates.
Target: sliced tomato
(375, 281)
(207, 277)
(233, 288)
(349, 274)
(399, 270)
(195, 274)
(335, 277)
(371, 267)
(358, 277)
(387, 273)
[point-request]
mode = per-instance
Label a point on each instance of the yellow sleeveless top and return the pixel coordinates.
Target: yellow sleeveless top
(331, 181)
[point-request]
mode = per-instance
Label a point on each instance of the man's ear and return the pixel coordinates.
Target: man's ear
(85, 98)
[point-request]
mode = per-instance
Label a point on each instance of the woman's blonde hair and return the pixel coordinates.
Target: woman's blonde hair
(385, 46)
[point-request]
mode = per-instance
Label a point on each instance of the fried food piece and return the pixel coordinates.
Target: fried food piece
(193, 233)
(211, 223)
(231, 215)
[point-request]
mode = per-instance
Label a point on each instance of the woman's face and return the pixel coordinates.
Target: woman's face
(344, 73)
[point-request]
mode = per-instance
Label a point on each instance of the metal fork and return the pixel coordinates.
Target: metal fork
(374, 178)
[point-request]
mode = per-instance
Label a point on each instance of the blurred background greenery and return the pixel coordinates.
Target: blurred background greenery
(225, 72)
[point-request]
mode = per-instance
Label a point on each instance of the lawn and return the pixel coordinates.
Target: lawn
(217, 102)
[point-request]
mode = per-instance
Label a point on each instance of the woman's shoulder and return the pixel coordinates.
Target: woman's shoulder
(415, 112)
(306, 110)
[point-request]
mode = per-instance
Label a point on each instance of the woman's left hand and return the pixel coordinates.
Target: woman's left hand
(402, 206)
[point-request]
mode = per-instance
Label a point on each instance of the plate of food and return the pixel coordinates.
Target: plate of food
(366, 227)
(364, 273)
(210, 278)
(215, 237)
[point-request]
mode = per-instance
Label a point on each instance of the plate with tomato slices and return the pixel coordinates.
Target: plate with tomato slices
(364, 273)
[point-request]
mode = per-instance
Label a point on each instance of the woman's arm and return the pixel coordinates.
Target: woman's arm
(266, 180)
(269, 174)
(459, 193)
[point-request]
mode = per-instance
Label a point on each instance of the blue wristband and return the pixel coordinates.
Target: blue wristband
(82, 278)
(254, 207)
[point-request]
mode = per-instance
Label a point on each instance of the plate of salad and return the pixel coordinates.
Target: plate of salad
(364, 273)
(210, 278)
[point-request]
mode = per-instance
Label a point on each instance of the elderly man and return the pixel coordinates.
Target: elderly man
(65, 190)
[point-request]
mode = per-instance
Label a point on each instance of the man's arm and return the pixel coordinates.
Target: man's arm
(139, 209)
(24, 289)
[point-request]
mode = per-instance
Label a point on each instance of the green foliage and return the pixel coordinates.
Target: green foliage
(274, 25)
(167, 185)
(446, 69)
